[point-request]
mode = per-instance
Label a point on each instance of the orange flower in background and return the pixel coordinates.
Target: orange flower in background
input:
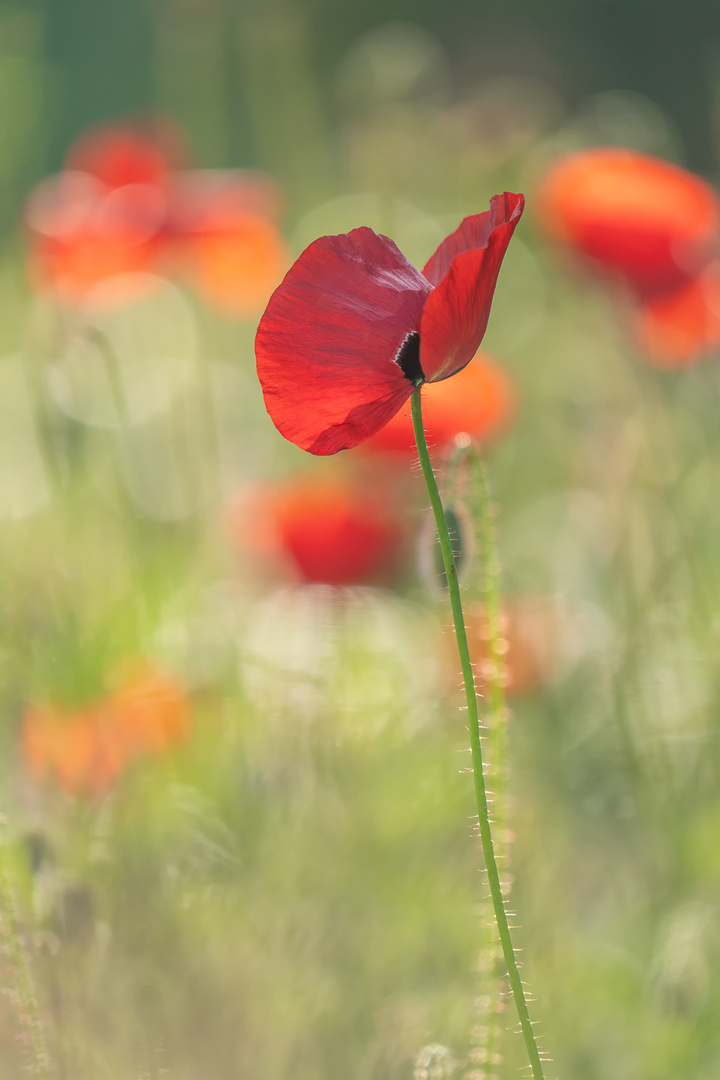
(151, 712)
(124, 206)
(236, 260)
(85, 751)
(83, 233)
(653, 225)
(72, 747)
(677, 329)
(480, 401)
(535, 638)
(198, 195)
(326, 531)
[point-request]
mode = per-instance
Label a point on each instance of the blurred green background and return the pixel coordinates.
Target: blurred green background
(293, 891)
(88, 61)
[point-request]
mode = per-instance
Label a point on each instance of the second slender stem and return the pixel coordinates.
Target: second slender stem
(486, 838)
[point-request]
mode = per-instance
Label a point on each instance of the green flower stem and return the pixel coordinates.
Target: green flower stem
(475, 744)
(24, 991)
(496, 706)
(490, 593)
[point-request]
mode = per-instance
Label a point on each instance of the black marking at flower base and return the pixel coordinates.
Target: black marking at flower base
(408, 359)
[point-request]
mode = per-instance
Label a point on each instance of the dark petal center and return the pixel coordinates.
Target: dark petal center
(408, 358)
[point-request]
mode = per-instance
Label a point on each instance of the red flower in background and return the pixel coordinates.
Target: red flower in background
(480, 401)
(119, 155)
(125, 205)
(354, 327)
(83, 233)
(329, 532)
(679, 328)
(653, 225)
(85, 751)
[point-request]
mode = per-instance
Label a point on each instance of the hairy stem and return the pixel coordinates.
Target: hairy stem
(475, 744)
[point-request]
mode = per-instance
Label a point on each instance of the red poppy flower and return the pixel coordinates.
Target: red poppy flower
(123, 208)
(654, 224)
(119, 155)
(222, 236)
(676, 329)
(479, 402)
(83, 233)
(354, 327)
(330, 533)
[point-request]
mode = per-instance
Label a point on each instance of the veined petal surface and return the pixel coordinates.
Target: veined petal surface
(327, 343)
(473, 234)
(456, 312)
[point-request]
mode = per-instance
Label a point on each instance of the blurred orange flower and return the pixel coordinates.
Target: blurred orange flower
(197, 194)
(86, 750)
(534, 634)
(124, 206)
(327, 531)
(651, 224)
(151, 712)
(479, 401)
(75, 748)
(678, 328)
(236, 260)
(83, 233)
(645, 219)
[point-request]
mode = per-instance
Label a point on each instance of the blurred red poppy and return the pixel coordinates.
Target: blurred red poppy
(118, 155)
(83, 233)
(480, 401)
(122, 206)
(329, 532)
(354, 327)
(651, 222)
(86, 750)
(677, 329)
(656, 227)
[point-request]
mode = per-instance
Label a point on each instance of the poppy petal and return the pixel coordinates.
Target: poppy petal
(457, 311)
(327, 344)
(473, 234)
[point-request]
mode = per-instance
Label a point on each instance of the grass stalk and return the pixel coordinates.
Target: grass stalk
(24, 989)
